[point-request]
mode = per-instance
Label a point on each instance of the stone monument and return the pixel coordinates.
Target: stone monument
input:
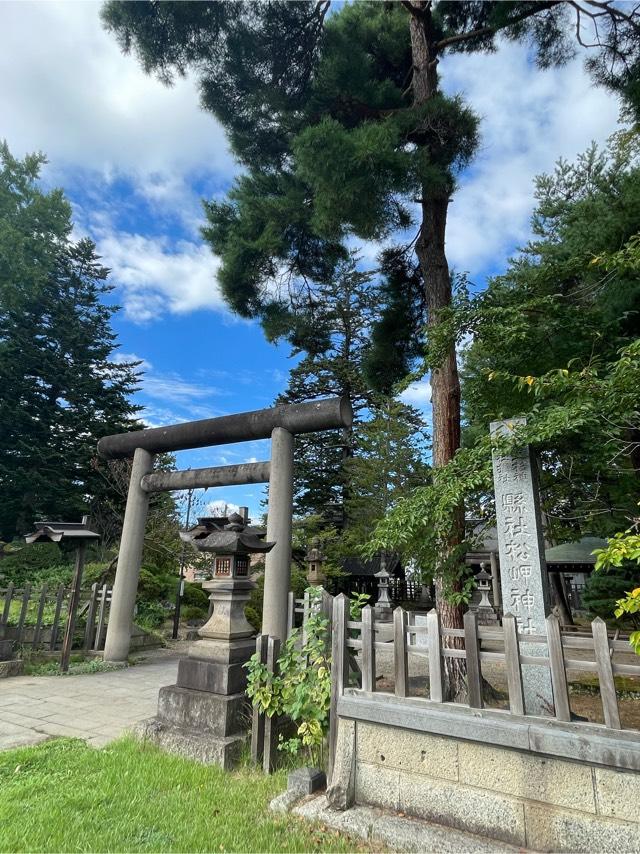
(203, 715)
(523, 570)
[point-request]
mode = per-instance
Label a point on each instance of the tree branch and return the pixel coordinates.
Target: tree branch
(491, 31)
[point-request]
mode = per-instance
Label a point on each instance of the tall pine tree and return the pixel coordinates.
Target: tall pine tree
(61, 388)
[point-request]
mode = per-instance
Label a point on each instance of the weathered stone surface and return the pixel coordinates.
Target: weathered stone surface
(523, 570)
(377, 785)
(565, 784)
(224, 652)
(398, 833)
(202, 711)
(560, 830)
(407, 834)
(211, 676)
(203, 747)
(471, 810)
(284, 801)
(408, 751)
(618, 793)
(341, 787)
(306, 781)
(11, 668)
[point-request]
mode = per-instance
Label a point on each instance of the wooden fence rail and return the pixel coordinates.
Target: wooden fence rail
(38, 617)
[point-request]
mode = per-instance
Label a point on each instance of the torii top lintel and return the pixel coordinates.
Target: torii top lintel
(314, 416)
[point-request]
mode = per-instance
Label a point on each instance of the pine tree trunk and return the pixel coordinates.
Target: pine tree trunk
(445, 382)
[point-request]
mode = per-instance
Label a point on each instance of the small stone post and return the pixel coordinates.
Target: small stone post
(277, 570)
(123, 599)
(523, 569)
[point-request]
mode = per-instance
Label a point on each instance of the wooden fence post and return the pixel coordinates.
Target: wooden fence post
(257, 720)
(339, 669)
(558, 672)
(306, 613)
(8, 596)
(400, 660)
(291, 612)
(102, 613)
(605, 674)
(26, 595)
(512, 664)
(38, 628)
(436, 680)
(56, 618)
(271, 723)
(91, 616)
(368, 638)
(74, 600)
(472, 651)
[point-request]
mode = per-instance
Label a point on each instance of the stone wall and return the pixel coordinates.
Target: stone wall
(520, 797)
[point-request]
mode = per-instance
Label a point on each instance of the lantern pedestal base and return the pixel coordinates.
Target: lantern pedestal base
(199, 724)
(205, 748)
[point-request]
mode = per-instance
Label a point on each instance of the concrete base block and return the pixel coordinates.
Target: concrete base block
(211, 676)
(202, 747)
(203, 712)
(11, 668)
(306, 781)
(561, 830)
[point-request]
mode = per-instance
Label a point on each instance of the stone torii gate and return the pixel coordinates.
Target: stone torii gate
(281, 424)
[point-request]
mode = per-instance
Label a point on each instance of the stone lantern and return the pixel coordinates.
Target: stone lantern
(486, 613)
(384, 605)
(232, 541)
(315, 558)
(204, 714)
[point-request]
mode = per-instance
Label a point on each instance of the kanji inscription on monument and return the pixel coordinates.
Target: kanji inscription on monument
(523, 569)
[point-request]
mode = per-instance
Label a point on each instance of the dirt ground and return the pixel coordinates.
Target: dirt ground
(583, 686)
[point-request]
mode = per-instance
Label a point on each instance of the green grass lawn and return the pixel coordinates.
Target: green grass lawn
(64, 796)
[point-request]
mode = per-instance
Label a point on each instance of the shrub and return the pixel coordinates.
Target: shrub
(603, 590)
(30, 564)
(192, 612)
(195, 595)
(151, 615)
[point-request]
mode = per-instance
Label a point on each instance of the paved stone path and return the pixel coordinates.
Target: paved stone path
(97, 707)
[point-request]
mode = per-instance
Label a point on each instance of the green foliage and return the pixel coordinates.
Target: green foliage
(194, 595)
(630, 605)
(301, 689)
(61, 388)
(603, 590)
(40, 563)
(151, 615)
(192, 612)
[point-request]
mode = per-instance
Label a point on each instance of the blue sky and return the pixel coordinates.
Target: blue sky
(135, 158)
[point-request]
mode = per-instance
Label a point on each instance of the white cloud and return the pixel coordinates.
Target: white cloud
(221, 508)
(68, 90)
(529, 118)
(156, 276)
(417, 394)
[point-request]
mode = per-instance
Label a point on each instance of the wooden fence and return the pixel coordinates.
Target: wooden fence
(37, 618)
(475, 644)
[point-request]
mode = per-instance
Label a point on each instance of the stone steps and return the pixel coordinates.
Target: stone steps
(397, 831)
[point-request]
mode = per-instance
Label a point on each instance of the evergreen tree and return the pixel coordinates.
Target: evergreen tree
(61, 389)
(389, 462)
(343, 126)
(332, 331)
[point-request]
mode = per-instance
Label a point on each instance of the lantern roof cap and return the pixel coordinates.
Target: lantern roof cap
(226, 535)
